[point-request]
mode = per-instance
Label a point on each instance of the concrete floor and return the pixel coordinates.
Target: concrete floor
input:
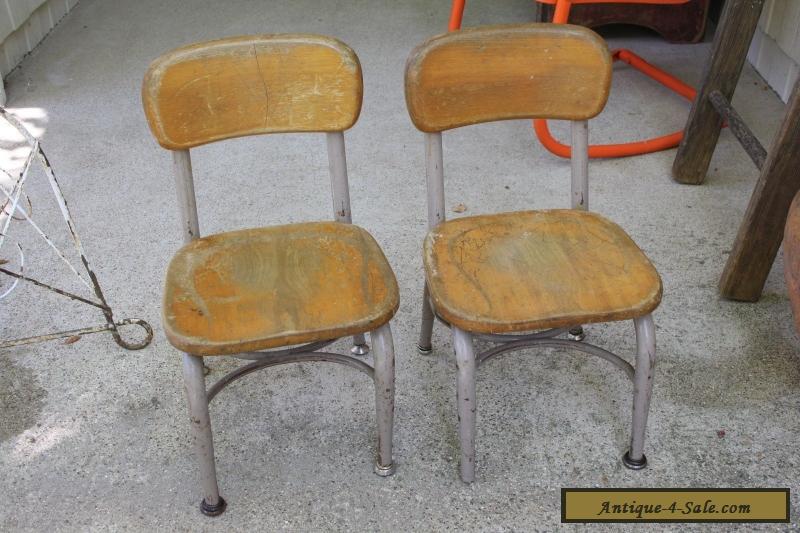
(95, 438)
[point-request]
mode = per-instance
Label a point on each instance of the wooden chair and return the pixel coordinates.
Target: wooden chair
(499, 277)
(307, 284)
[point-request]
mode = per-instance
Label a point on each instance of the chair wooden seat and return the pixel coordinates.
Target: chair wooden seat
(267, 287)
(532, 270)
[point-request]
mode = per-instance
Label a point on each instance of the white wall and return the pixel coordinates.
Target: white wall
(23, 24)
(775, 50)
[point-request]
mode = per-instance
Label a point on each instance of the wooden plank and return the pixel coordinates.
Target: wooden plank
(507, 72)
(251, 85)
(721, 73)
(739, 128)
(761, 230)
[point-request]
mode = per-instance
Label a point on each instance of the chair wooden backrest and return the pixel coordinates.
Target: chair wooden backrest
(248, 85)
(252, 85)
(496, 73)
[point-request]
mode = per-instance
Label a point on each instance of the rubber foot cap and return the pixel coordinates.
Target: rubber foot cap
(576, 334)
(213, 510)
(384, 471)
(631, 464)
(359, 349)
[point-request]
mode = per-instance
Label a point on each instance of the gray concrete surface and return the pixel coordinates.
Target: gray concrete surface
(95, 438)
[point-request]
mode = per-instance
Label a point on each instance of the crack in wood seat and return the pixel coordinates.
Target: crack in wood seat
(269, 287)
(532, 270)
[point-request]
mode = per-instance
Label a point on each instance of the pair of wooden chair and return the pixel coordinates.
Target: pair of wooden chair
(489, 276)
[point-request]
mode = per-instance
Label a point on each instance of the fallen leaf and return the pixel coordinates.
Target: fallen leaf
(73, 339)
(459, 208)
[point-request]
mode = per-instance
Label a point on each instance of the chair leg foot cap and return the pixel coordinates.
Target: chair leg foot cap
(631, 464)
(424, 350)
(384, 471)
(576, 334)
(360, 349)
(213, 510)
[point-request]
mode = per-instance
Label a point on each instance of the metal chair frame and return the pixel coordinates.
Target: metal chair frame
(382, 370)
(468, 361)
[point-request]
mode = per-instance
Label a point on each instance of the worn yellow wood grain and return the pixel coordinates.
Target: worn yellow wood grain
(507, 72)
(249, 85)
(269, 287)
(535, 270)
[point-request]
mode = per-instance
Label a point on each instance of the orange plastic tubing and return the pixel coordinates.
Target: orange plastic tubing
(456, 13)
(665, 142)
(600, 151)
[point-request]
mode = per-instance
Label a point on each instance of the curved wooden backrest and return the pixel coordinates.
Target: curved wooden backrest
(507, 72)
(250, 85)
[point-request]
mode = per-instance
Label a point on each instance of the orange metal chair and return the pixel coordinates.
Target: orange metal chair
(561, 16)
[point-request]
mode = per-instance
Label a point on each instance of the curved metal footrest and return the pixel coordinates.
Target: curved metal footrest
(590, 349)
(284, 357)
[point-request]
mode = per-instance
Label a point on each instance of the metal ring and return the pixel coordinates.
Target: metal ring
(148, 330)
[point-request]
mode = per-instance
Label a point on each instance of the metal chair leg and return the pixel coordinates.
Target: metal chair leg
(642, 389)
(467, 405)
(194, 381)
(384, 397)
(424, 346)
(360, 346)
